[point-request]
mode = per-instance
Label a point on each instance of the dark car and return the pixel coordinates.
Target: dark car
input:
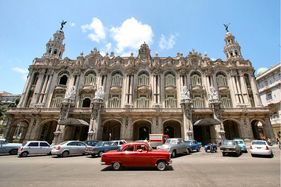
(230, 147)
(91, 142)
(104, 146)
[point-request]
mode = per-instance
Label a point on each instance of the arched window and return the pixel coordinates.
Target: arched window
(114, 101)
(143, 79)
(225, 101)
(221, 79)
(63, 76)
(90, 78)
(170, 101)
(117, 79)
(198, 101)
(143, 101)
(195, 79)
(86, 102)
(170, 79)
(55, 52)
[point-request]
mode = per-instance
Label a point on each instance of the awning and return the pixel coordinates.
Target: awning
(73, 121)
(206, 122)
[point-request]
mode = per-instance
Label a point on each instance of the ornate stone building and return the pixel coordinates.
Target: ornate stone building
(269, 85)
(112, 97)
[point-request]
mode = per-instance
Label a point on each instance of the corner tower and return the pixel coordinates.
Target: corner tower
(232, 49)
(55, 47)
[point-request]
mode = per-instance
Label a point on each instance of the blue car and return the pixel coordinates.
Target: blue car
(195, 146)
(242, 144)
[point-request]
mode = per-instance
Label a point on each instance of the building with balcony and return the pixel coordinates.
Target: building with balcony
(112, 97)
(269, 86)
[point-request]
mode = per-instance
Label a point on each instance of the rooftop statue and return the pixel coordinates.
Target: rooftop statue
(185, 95)
(62, 24)
(226, 27)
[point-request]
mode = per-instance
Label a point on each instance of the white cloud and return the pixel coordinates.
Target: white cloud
(167, 44)
(72, 24)
(21, 71)
(106, 49)
(131, 35)
(98, 32)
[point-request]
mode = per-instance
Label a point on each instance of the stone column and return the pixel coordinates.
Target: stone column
(187, 130)
(30, 128)
(10, 129)
(255, 91)
(47, 89)
(268, 130)
(239, 90)
(26, 89)
(123, 128)
(34, 134)
(244, 90)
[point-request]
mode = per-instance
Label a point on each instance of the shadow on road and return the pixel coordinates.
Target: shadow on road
(109, 168)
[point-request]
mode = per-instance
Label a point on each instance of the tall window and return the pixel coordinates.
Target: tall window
(86, 102)
(143, 101)
(63, 76)
(225, 101)
(198, 101)
(195, 79)
(170, 79)
(117, 79)
(246, 76)
(114, 101)
(221, 79)
(143, 79)
(90, 78)
(170, 101)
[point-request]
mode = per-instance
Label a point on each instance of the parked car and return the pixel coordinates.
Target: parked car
(67, 148)
(230, 147)
(195, 146)
(175, 146)
(260, 147)
(91, 142)
(11, 148)
(242, 144)
(104, 146)
(137, 154)
(212, 147)
(35, 148)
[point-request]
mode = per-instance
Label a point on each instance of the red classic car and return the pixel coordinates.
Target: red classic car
(137, 154)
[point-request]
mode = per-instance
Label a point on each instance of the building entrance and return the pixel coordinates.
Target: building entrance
(142, 129)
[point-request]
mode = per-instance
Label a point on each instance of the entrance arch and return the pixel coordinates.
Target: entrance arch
(257, 128)
(47, 131)
(172, 129)
(20, 131)
(111, 130)
(75, 129)
(142, 129)
(231, 130)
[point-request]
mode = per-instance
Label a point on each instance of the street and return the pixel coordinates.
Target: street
(196, 169)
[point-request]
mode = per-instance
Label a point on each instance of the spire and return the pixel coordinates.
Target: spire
(232, 49)
(55, 47)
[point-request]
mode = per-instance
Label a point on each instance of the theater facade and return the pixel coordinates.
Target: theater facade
(111, 97)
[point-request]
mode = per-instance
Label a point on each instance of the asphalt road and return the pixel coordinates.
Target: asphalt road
(196, 169)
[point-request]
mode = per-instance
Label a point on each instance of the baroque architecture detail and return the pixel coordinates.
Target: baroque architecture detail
(112, 97)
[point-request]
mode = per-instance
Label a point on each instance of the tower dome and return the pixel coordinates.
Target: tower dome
(261, 70)
(232, 49)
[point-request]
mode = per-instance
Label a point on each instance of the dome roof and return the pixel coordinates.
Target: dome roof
(261, 70)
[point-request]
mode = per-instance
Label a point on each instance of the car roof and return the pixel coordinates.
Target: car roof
(135, 143)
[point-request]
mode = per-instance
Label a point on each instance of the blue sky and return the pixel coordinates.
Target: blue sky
(166, 26)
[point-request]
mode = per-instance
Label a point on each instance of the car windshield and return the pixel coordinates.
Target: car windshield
(228, 143)
(99, 144)
(171, 141)
(149, 147)
(239, 141)
(188, 142)
(258, 143)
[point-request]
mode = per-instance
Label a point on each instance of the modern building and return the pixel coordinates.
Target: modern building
(269, 85)
(8, 98)
(112, 97)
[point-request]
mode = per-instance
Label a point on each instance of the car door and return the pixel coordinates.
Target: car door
(44, 148)
(142, 156)
(73, 147)
(33, 147)
(127, 157)
(82, 146)
(3, 148)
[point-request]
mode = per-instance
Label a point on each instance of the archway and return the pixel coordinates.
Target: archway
(142, 129)
(231, 129)
(172, 129)
(75, 129)
(20, 131)
(47, 131)
(257, 128)
(111, 130)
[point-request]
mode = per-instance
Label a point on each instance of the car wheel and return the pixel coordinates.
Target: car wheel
(100, 154)
(271, 156)
(198, 149)
(24, 154)
(116, 166)
(223, 154)
(13, 152)
(215, 149)
(187, 151)
(50, 153)
(65, 154)
(206, 150)
(174, 154)
(93, 155)
(161, 165)
(253, 155)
